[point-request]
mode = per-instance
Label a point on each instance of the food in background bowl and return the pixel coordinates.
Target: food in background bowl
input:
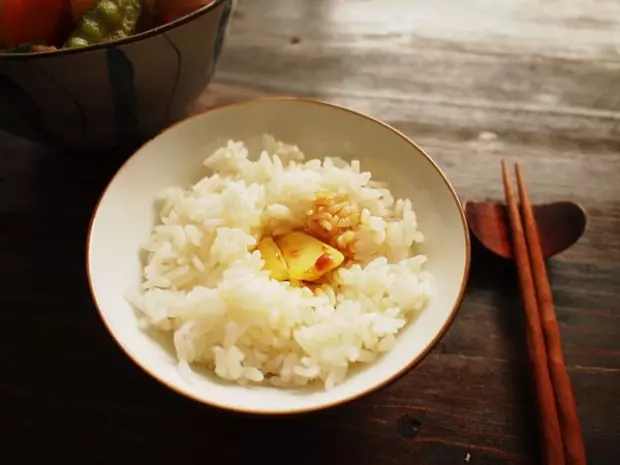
(43, 26)
(282, 270)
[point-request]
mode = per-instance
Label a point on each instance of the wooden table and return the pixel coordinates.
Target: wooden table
(471, 81)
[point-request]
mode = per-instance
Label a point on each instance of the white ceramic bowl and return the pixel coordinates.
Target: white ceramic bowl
(125, 216)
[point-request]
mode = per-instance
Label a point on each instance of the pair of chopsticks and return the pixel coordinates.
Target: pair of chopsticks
(561, 433)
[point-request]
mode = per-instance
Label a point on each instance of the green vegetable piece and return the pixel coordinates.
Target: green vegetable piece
(107, 20)
(92, 31)
(75, 42)
(111, 11)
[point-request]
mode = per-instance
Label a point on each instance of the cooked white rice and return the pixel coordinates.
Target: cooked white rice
(205, 285)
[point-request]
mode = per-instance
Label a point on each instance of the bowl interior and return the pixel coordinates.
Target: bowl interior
(126, 215)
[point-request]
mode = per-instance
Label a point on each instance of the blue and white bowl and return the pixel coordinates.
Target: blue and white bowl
(115, 94)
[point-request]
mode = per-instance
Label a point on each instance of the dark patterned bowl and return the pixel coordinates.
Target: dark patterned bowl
(116, 94)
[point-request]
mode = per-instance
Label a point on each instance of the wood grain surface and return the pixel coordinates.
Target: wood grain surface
(535, 81)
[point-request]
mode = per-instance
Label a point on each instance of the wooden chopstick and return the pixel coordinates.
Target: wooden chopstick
(572, 438)
(551, 444)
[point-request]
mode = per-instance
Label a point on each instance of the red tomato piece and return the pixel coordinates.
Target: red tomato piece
(23, 21)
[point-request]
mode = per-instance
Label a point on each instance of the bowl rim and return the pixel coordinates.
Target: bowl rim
(302, 410)
(118, 42)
